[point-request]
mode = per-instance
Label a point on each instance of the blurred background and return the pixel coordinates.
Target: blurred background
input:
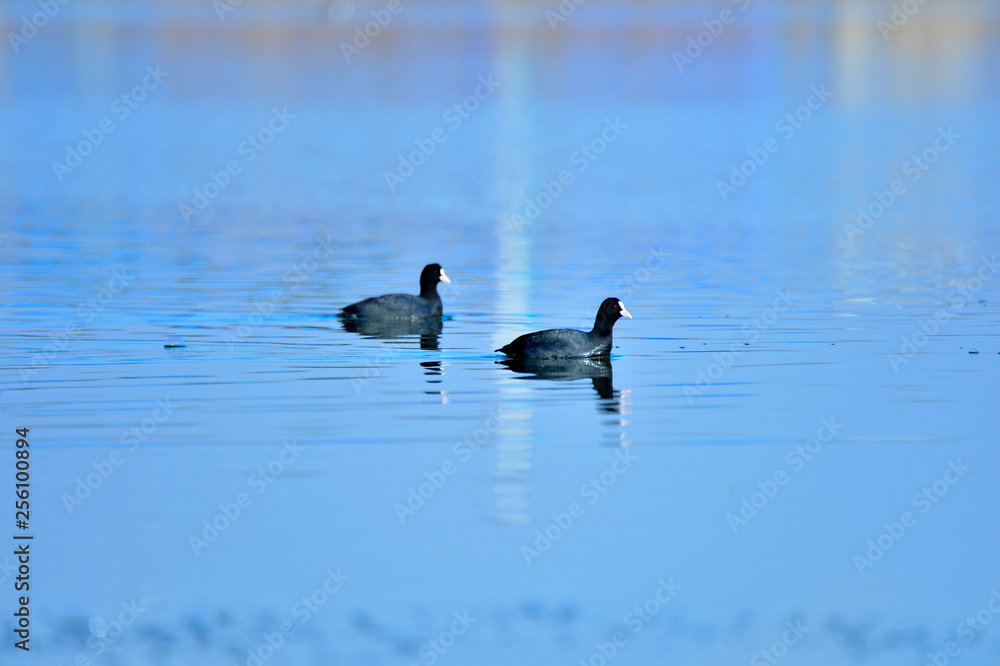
(795, 200)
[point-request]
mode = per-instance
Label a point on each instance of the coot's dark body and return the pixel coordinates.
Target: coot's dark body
(395, 306)
(558, 343)
(403, 306)
(568, 342)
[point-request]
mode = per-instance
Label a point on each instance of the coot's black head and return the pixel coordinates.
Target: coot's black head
(611, 310)
(429, 278)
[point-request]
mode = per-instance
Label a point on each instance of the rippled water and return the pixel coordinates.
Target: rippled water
(359, 488)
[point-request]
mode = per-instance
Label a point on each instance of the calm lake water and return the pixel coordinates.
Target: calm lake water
(791, 455)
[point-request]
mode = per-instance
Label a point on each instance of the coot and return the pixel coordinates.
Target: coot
(403, 306)
(568, 342)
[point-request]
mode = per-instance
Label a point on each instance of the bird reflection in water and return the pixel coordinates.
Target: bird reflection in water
(429, 330)
(433, 369)
(598, 370)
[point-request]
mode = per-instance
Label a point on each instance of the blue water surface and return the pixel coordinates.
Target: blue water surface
(790, 456)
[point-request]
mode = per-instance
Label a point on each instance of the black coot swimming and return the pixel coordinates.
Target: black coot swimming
(568, 342)
(403, 306)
